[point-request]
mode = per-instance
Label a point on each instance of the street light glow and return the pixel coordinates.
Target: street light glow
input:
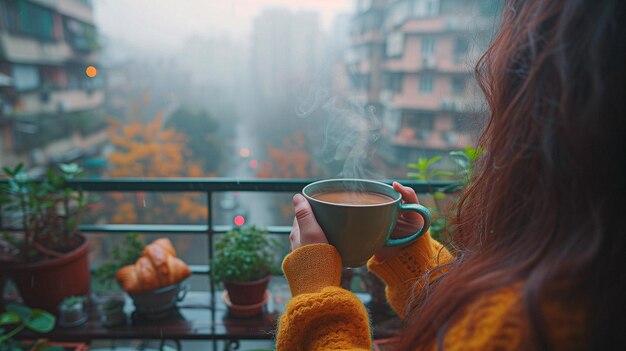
(91, 71)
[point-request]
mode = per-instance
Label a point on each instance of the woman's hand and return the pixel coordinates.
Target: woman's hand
(408, 223)
(305, 228)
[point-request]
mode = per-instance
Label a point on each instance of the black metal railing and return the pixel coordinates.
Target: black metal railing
(208, 187)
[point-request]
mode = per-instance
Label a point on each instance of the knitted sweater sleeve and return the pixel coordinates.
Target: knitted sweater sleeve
(320, 315)
(402, 272)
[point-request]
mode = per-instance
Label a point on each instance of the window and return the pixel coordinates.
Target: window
(420, 122)
(27, 18)
(395, 44)
(366, 23)
(81, 36)
(432, 8)
(428, 46)
(397, 13)
(426, 84)
(53, 77)
(25, 77)
(458, 85)
(391, 120)
(394, 82)
(425, 8)
(461, 46)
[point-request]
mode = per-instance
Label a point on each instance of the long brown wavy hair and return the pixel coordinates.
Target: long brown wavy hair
(546, 206)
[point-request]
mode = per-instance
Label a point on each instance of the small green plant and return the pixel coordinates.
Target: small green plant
(123, 254)
(73, 302)
(49, 213)
(465, 160)
(245, 254)
(424, 170)
(23, 317)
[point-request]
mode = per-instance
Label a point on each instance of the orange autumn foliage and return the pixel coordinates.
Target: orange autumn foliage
(290, 161)
(152, 151)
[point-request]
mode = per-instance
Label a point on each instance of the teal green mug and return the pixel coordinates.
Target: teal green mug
(358, 216)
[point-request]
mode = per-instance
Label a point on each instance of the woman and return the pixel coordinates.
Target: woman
(538, 241)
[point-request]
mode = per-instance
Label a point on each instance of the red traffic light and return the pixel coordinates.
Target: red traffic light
(239, 220)
(253, 163)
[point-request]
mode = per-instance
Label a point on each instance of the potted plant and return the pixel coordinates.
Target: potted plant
(36, 320)
(244, 261)
(48, 259)
(72, 312)
(425, 169)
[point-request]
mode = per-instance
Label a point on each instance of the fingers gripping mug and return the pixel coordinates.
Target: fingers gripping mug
(358, 216)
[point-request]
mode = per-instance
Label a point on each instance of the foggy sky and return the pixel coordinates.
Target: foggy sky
(163, 25)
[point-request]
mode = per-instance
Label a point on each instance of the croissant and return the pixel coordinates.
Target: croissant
(157, 267)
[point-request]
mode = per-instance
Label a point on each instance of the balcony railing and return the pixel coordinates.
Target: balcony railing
(207, 187)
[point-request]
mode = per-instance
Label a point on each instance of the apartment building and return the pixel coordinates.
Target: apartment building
(413, 60)
(51, 111)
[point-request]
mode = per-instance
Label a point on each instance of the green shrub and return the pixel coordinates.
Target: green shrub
(245, 254)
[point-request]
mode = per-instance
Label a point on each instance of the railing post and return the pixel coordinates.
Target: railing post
(209, 206)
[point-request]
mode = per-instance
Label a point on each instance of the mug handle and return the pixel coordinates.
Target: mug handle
(422, 211)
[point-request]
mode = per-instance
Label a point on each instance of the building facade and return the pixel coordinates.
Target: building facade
(413, 60)
(51, 111)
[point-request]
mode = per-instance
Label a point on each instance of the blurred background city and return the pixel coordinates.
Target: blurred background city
(237, 89)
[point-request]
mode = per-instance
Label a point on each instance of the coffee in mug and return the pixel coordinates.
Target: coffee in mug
(358, 216)
(353, 197)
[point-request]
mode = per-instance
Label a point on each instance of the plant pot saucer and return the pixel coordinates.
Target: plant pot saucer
(245, 310)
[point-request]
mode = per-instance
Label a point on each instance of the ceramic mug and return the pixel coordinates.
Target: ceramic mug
(358, 231)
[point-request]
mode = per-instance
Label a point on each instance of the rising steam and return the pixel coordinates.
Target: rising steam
(351, 133)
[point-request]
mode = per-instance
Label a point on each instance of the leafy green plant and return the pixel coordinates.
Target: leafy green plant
(24, 317)
(123, 254)
(465, 160)
(49, 213)
(245, 254)
(424, 169)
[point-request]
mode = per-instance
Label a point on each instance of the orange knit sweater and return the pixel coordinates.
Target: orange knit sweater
(322, 316)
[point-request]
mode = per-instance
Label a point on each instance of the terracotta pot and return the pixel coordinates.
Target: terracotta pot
(45, 284)
(70, 346)
(73, 346)
(248, 293)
